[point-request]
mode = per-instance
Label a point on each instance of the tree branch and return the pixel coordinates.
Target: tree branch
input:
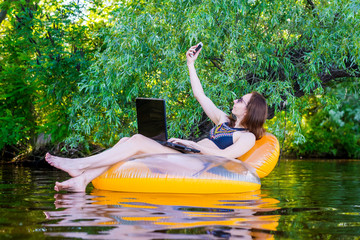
(311, 4)
(213, 61)
(297, 58)
(337, 73)
(2, 15)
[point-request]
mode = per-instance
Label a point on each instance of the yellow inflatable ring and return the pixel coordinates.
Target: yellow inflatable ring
(192, 173)
(264, 155)
(179, 173)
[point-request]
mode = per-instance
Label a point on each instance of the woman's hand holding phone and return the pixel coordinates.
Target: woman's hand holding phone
(193, 53)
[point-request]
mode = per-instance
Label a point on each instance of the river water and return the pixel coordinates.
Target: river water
(300, 199)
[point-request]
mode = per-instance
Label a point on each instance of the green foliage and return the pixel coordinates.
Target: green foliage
(330, 124)
(43, 50)
(248, 45)
(74, 70)
(16, 91)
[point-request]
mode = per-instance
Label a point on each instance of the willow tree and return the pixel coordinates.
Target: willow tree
(283, 49)
(44, 45)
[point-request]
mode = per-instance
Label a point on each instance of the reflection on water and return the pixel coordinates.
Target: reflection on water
(298, 200)
(170, 216)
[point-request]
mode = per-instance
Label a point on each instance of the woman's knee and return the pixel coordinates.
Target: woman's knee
(139, 138)
(148, 145)
(122, 140)
(136, 140)
(145, 143)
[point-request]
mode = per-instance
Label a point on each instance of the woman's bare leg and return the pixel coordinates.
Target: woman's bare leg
(137, 144)
(54, 160)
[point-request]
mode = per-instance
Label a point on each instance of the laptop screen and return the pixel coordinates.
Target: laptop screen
(151, 118)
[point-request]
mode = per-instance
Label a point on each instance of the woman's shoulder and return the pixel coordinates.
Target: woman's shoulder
(223, 120)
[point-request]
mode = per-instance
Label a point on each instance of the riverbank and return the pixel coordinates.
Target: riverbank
(28, 157)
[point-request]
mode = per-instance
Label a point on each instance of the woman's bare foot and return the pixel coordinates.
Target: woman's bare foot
(76, 184)
(66, 164)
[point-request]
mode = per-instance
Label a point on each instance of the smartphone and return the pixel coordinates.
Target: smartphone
(199, 46)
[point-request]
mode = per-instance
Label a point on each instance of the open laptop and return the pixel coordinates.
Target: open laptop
(151, 119)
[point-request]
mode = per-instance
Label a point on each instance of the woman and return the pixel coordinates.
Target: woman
(232, 136)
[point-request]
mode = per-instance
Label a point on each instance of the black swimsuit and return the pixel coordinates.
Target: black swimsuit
(222, 135)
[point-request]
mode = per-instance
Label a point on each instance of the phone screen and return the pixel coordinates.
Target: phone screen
(198, 47)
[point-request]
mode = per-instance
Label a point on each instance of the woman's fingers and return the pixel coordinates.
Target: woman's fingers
(191, 51)
(192, 54)
(177, 140)
(173, 139)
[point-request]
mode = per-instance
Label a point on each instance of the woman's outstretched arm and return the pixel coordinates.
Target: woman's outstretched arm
(214, 113)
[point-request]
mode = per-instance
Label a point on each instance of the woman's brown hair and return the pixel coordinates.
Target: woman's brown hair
(255, 117)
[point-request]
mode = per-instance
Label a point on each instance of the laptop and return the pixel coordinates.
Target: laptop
(151, 119)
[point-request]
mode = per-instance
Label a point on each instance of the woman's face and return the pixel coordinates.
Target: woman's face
(239, 108)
